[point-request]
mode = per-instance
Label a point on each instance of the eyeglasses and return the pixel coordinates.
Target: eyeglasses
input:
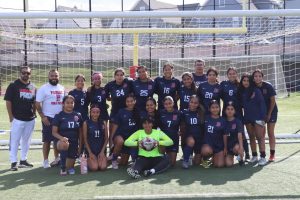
(25, 73)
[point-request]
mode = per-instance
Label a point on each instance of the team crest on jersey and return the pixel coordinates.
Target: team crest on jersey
(76, 118)
(233, 126)
(149, 87)
(216, 90)
(103, 91)
(218, 124)
(265, 91)
(125, 85)
(174, 117)
(173, 85)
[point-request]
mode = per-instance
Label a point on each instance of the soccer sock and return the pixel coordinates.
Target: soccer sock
(272, 152)
(187, 151)
(262, 154)
(246, 146)
(114, 157)
(254, 153)
(63, 158)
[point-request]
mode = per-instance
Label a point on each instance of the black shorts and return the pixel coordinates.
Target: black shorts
(274, 116)
(230, 147)
(215, 147)
(47, 132)
(72, 152)
(175, 146)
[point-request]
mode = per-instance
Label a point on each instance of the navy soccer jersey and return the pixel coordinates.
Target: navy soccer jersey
(126, 124)
(268, 91)
(184, 96)
(192, 123)
(81, 102)
(170, 122)
(118, 94)
(214, 131)
(142, 90)
(232, 129)
(98, 97)
(164, 87)
(68, 124)
(207, 92)
(199, 79)
(229, 93)
(254, 106)
(95, 135)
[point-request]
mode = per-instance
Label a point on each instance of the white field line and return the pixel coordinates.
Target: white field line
(173, 196)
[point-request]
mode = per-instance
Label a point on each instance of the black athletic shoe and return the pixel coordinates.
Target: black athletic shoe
(247, 157)
(14, 166)
(25, 164)
(241, 163)
(147, 173)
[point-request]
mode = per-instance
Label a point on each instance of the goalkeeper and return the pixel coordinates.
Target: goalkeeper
(150, 161)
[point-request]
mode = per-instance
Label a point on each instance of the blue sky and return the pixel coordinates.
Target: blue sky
(98, 5)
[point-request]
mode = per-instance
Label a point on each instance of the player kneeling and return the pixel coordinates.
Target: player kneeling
(233, 138)
(95, 140)
(67, 128)
(150, 161)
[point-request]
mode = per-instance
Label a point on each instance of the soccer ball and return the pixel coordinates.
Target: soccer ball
(148, 144)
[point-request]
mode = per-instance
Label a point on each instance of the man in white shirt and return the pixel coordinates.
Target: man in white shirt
(49, 103)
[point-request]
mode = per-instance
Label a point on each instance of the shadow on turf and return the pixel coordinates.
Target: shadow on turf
(43, 178)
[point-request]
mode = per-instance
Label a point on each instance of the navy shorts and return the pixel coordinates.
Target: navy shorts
(215, 147)
(47, 132)
(175, 146)
(273, 118)
(230, 147)
(198, 144)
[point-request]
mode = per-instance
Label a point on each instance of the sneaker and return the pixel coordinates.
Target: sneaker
(25, 164)
(185, 165)
(114, 164)
(46, 164)
(147, 173)
(262, 161)
(56, 162)
(206, 163)
(71, 171)
(253, 159)
(78, 161)
(247, 157)
(13, 166)
(133, 173)
(191, 160)
(63, 172)
(272, 158)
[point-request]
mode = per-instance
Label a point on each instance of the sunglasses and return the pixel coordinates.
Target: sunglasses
(25, 73)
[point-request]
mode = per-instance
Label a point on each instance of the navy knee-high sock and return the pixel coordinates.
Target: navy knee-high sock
(187, 151)
(63, 158)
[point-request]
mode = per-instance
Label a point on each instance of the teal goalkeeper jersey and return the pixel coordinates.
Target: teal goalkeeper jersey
(157, 135)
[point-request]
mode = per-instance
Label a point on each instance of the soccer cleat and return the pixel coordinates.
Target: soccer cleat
(185, 165)
(272, 158)
(206, 163)
(25, 164)
(247, 157)
(71, 171)
(133, 173)
(262, 161)
(46, 164)
(147, 173)
(114, 164)
(56, 162)
(13, 166)
(63, 172)
(253, 159)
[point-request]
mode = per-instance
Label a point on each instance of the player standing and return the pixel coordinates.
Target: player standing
(199, 76)
(186, 90)
(49, 103)
(269, 94)
(20, 97)
(167, 86)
